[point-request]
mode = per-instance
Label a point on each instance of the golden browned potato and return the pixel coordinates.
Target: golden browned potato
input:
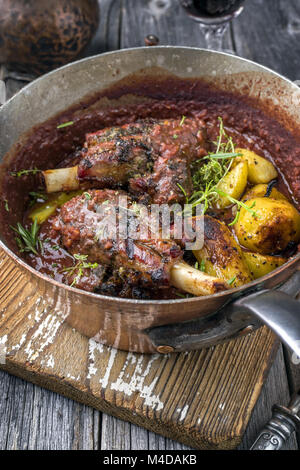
(260, 265)
(260, 170)
(259, 190)
(221, 254)
(233, 184)
(275, 224)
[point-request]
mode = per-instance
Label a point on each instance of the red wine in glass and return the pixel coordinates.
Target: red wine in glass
(213, 11)
(214, 17)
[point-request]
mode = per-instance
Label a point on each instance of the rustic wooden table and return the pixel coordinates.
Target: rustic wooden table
(33, 418)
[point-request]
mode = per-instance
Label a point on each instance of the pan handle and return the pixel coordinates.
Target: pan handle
(275, 308)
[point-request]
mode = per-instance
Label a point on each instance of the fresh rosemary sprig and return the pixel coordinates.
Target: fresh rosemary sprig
(19, 173)
(222, 156)
(79, 267)
(207, 177)
(28, 239)
(236, 218)
(239, 203)
(65, 124)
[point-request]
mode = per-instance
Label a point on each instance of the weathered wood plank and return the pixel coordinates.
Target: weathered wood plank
(268, 33)
(292, 364)
(35, 419)
(107, 37)
(275, 390)
(115, 434)
(164, 18)
(293, 370)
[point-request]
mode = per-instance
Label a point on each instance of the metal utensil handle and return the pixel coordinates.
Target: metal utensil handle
(278, 430)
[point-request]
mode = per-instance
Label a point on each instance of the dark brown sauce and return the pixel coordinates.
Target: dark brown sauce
(49, 147)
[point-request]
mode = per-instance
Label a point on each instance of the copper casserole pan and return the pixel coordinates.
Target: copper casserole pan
(162, 325)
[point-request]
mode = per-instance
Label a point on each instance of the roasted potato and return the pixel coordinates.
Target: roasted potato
(274, 225)
(259, 190)
(221, 254)
(260, 265)
(260, 170)
(233, 184)
(42, 211)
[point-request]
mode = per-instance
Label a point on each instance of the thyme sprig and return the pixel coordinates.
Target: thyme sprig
(207, 177)
(79, 267)
(28, 239)
(19, 173)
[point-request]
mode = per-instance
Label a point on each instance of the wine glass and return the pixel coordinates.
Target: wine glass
(213, 17)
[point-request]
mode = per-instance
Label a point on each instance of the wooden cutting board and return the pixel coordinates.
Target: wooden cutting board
(201, 398)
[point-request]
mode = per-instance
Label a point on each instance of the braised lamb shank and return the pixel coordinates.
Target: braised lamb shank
(152, 157)
(86, 227)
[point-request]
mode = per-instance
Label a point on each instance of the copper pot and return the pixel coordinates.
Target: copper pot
(162, 325)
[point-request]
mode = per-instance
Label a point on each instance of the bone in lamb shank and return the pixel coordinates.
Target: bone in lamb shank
(85, 227)
(152, 157)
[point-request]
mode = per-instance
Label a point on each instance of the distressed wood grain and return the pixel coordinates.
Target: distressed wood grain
(275, 391)
(202, 398)
(164, 18)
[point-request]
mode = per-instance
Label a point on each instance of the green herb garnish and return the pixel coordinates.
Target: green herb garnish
(87, 196)
(19, 173)
(182, 120)
(79, 267)
(65, 124)
(235, 219)
(202, 266)
(231, 281)
(222, 156)
(28, 239)
(207, 177)
(37, 197)
(6, 205)
(239, 203)
(183, 296)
